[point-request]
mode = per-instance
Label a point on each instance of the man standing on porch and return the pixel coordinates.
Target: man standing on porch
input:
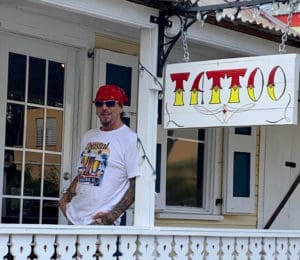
(108, 165)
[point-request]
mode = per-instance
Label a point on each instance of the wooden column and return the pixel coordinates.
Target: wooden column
(147, 128)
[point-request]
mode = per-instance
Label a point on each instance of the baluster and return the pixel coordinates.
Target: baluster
(21, 246)
(66, 246)
(227, 248)
(242, 248)
(108, 246)
(294, 248)
(269, 248)
(212, 248)
(128, 247)
(87, 245)
(3, 245)
(197, 247)
(146, 247)
(164, 247)
(44, 246)
(282, 248)
(255, 248)
(181, 247)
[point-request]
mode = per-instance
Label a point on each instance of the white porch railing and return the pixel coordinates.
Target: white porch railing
(103, 242)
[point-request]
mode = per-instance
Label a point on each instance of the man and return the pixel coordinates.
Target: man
(108, 166)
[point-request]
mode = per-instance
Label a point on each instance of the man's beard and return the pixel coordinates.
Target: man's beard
(106, 123)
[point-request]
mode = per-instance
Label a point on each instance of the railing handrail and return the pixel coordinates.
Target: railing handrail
(132, 230)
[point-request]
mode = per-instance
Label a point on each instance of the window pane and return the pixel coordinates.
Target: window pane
(12, 172)
(14, 125)
(35, 127)
(184, 168)
(120, 75)
(33, 169)
(242, 130)
(16, 77)
(50, 212)
(241, 175)
(52, 175)
(188, 133)
(10, 210)
(36, 84)
(56, 76)
(31, 209)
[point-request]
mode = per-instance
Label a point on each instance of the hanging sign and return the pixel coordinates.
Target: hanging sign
(260, 90)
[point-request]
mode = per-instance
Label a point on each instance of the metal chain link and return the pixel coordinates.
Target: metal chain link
(284, 37)
(186, 54)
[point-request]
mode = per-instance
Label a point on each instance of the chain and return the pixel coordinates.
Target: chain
(186, 55)
(292, 7)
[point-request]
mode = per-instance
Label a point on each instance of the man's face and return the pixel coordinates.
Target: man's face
(109, 114)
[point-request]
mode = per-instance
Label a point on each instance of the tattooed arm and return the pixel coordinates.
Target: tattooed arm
(67, 196)
(108, 218)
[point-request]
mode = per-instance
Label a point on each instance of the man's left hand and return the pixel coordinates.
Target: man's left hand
(105, 218)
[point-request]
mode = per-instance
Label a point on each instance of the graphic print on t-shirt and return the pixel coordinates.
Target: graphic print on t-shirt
(93, 161)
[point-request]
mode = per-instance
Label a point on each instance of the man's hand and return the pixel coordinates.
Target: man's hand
(108, 218)
(105, 218)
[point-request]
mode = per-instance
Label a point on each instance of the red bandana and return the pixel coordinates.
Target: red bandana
(111, 92)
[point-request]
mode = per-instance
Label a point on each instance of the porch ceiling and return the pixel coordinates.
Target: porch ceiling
(263, 26)
(97, 24)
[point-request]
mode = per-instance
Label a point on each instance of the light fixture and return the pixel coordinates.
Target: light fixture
(219, 15)
(275, 6)
(234, 14)
(255, 13)
(201, 18)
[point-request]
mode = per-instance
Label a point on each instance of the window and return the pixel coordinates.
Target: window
(50, 132)
(187, 183)
(185, 166)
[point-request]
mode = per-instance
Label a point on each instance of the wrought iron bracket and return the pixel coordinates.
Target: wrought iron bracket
(187, 15)
(165, 42)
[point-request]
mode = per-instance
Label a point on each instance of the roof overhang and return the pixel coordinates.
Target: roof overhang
(263, 25)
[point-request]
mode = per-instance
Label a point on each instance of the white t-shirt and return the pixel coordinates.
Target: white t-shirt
(108, 159)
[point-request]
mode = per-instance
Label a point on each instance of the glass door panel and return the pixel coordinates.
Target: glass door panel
(34, 132)
(12, 172)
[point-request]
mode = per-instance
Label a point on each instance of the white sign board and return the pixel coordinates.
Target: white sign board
(248, 91)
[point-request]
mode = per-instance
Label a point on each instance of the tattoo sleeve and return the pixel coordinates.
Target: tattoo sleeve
(68, 195)
(122, 206)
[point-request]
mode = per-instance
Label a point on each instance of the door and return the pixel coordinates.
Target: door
(121, 69)
(37, 93)
(282, 145)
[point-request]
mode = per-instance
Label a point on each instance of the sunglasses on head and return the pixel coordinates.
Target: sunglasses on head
(109, 103)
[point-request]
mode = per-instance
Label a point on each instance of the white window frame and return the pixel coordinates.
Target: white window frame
(212, 181)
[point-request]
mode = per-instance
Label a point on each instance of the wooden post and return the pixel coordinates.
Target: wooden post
(147, 129)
